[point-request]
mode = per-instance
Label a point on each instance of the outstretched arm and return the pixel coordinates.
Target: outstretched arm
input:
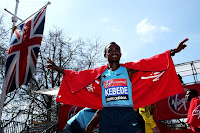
(53, 66)
(180, 47)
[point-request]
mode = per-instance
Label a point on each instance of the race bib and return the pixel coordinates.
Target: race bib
(116, 89)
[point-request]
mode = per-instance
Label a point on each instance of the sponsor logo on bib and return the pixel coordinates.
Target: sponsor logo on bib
(116, 89)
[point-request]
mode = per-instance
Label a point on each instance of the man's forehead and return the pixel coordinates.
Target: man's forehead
(112, 46)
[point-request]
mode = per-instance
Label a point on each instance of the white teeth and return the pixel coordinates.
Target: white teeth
(114, 56)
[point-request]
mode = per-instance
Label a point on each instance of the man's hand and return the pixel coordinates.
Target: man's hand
(51, 64)
(181, 46)
(156, 130)
(54, 67)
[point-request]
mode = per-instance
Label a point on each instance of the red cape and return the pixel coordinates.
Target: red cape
(193, 117)
(155, 80)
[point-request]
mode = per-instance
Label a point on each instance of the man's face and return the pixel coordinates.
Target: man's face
(113, 53)
(188, 96)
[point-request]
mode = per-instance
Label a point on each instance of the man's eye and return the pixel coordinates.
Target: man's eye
(118, 50)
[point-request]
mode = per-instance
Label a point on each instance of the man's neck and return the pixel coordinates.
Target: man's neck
(113, 66)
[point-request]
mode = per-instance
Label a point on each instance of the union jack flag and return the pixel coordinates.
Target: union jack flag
(23, 51)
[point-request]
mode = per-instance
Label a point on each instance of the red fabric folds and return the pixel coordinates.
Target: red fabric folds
(155, 80)
(193, 117)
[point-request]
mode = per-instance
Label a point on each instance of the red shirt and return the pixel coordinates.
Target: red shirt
(193, 117)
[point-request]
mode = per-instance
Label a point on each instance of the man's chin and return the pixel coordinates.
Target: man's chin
(115, 59)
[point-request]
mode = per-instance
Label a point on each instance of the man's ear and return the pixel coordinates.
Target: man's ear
(105, 56)
(192, 96)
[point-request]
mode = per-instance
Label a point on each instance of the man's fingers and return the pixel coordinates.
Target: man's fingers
(185, 40)
(49, 61)
(47, 66)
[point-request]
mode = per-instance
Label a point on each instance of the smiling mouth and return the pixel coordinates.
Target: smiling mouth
(114, 55)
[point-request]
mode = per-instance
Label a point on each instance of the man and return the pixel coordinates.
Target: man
(79, 122)
(116, 113)
(193, 117)
(121, 86)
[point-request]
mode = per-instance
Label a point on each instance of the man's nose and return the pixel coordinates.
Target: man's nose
(114, 51)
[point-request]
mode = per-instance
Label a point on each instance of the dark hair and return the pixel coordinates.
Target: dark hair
(108, 45)
(194, 92)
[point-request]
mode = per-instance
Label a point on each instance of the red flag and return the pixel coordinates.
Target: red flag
(155, 80)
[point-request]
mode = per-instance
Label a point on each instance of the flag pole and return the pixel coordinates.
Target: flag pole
(3, 92)
(48, 3)
(3, 95)
(14, 18)
(12, 14)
